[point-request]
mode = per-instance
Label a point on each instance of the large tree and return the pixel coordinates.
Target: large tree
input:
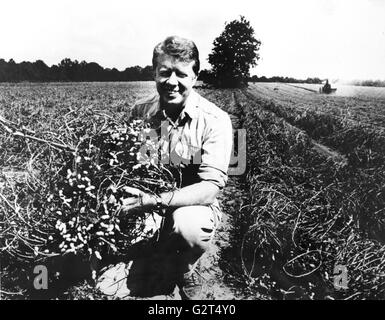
(234, 52)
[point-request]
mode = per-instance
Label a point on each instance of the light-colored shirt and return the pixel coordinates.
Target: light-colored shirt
(201, 142)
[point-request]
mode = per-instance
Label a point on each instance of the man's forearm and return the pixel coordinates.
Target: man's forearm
(201, 193)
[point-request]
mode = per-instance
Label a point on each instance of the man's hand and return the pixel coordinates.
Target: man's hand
(137, 200)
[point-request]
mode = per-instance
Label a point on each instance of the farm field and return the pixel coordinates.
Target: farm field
(312, 198)
(361, 104)
(344, 90)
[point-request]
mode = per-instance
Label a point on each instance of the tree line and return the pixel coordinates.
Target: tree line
(368, 83)
(285, 80)
(68, 70)
(209, 77)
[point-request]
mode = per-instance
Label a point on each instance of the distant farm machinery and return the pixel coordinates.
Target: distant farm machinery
(327, 88)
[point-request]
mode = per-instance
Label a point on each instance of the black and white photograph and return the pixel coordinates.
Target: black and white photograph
(218, 151)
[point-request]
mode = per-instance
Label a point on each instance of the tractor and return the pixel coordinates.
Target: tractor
(327, 88)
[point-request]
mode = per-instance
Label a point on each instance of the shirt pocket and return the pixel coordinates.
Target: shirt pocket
(188, 153)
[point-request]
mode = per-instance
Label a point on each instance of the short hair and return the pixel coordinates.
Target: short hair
(180, 48)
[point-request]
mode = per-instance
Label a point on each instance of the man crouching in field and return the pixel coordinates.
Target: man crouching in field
(196, 129)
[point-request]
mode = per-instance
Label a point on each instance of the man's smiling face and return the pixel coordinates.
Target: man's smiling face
(174, 80)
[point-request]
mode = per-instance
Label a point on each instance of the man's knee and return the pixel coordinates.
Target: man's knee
(195, 225)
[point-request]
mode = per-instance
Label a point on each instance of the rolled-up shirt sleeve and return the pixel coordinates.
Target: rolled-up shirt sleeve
(216, 150)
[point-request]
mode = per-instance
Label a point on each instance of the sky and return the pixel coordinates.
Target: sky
(336, 39)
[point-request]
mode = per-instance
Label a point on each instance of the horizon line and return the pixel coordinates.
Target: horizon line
(332, 79)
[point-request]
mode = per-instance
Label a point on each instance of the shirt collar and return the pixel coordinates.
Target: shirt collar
(189, 109)
(191, 105)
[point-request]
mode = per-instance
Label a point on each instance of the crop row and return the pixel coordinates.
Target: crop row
(306, 214)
